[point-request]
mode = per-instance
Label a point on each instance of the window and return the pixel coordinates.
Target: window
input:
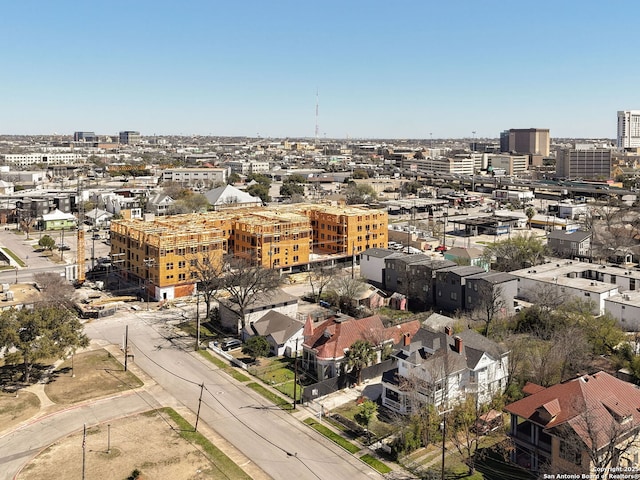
(169, 266)
(182, 264)
(182, 276)
(193, 262)
(454, 295)
(295, 258)
(571, 452)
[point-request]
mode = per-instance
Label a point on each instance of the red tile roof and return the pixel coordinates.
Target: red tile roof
(331, 338)
(591, 405)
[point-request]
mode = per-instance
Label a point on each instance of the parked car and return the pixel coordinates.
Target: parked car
(441, 248)
(96, 236)
(230, 344)
(64, 246)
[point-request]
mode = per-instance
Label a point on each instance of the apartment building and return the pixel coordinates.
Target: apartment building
(195, 176)
(273, 239)
(28, 159)
(345, 230)
(628, 129)
(584, 162)
(160, 254)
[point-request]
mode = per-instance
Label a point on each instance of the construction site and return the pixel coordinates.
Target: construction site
(160, 255)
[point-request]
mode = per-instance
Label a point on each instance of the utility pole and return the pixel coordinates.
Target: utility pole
(199, 404)
(197, 318)
(126, 346)
(108, 438)
(353, 260)
(444, 439)
(84, 448)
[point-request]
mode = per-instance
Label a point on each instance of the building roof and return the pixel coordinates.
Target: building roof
(57, 215)
(493, 277)
(334, 336)
(591, 405)
(230, 195)
(577, 236)
(462, 271)
(277, 325)
(378, 252)
(271, 299)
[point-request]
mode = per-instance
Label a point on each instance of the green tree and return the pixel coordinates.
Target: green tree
(257, 346)
(261, 191)
(45, 332)
(359, 355)
(360, 193)
(516, 253)
(367, 412)
(47, 242)
(288, 189)
(530, 213)
(233, 178)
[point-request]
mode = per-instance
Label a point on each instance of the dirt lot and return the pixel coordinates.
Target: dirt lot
(150, 443)
(97, 373)
(15, 409)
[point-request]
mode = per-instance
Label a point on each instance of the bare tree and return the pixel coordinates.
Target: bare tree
(491, 303)
(208, 271)
(55, 290)
(319, 278)
(245, 282)
(346, 289)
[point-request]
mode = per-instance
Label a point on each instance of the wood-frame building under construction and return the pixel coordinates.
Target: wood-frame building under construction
(160, 256)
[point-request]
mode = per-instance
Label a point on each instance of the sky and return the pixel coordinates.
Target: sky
(404, 69)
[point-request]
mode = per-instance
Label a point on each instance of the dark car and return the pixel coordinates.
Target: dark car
(63, 246)
(230, 344)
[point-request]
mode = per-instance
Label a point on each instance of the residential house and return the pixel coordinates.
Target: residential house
(441, 369)
(277, 300)
(326, 344)
(467, 256)
(450, 286)
(283, 333)
(587, 424)
(229, 196)
(570, 244)
(159, 204)
(58, 220)
(98, 218)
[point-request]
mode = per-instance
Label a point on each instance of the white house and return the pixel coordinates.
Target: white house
(442, 369)
(283, 333)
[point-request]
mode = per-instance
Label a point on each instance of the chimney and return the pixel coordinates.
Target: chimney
(406, 339)
(308, 327)
(458, 344)
(447, 330)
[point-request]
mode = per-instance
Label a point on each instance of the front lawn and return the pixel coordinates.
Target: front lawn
(331, 435)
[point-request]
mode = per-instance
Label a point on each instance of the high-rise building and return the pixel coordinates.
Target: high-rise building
(527, 141)
(84, 137)
(583, 162)
(129, 137)
(628, 129)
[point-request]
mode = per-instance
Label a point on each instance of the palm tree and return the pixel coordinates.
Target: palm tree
(359, 355)
(529, 212)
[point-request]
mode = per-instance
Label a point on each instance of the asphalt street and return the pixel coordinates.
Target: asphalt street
(275, 440)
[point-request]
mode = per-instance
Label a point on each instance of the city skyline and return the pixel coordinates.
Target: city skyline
(380, 70)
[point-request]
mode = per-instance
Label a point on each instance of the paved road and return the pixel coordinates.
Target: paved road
(19, 446)
(275, 440)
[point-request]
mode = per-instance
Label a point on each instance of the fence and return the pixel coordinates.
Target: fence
(331, 385)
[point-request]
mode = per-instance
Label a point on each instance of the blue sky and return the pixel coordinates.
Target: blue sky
(383, 69)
